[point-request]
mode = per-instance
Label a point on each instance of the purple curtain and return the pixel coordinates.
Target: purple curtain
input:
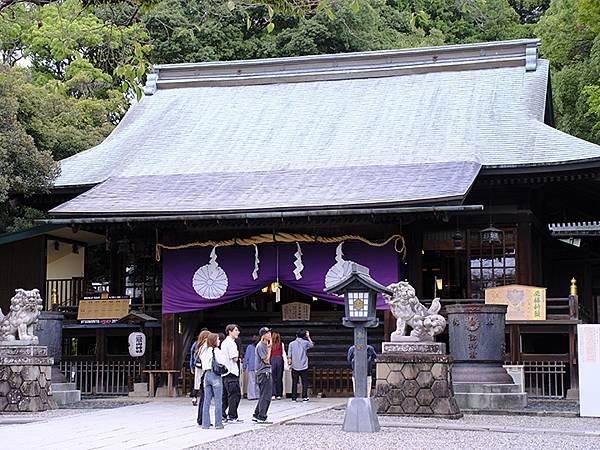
(200, 278)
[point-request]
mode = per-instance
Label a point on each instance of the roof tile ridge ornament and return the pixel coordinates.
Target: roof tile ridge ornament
(353, 65)
(531, 56)
(150, 87)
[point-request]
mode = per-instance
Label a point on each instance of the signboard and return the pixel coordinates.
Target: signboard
(588, 342)
(137, 344)
(102, 309)
(524, 302)
(296, 311)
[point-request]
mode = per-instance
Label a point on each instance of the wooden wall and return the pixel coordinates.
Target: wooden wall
(22, 265)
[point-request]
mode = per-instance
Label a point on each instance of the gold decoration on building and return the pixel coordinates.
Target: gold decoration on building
(573, 289)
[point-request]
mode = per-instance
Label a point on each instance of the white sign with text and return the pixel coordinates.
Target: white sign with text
(588, 337)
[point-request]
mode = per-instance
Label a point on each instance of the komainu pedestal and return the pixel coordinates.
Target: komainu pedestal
(25, 378)
(415, 384)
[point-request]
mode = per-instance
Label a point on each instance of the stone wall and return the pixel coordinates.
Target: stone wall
(25, 379)
(415, 384)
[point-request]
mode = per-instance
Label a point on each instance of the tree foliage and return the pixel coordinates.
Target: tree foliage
(60, 67)
(70, 67)
(24, 169)
(571, 41)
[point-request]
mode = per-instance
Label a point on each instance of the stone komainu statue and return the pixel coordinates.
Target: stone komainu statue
(25, 308)
(406, 308)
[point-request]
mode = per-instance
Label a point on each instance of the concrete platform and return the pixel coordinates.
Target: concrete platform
(163, 423)
(483, 396)
(65, 393)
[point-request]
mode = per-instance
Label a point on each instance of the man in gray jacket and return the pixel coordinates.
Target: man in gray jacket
(298, 362)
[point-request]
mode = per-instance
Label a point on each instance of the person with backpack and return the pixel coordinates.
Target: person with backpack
(194, 395)
(213, 363)
(371, 357)
(197, 349)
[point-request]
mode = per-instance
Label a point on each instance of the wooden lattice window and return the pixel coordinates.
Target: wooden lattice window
(491, 265)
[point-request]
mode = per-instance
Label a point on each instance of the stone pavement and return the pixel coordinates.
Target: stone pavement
(160, 424)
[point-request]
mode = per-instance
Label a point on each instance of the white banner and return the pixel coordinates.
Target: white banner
(588, 338)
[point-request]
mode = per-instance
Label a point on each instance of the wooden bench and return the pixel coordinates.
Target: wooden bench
(152, 380)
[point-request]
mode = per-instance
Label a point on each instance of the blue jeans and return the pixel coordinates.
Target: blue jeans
(213, 387)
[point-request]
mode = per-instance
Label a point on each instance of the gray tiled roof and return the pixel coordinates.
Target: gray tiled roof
(292, 132)
(279, 189)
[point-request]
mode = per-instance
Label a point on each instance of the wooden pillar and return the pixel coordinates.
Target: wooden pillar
(100, 345)
(573, 369)
(117, 271)
(414, 258)
(389, 325)
(524, 253)
(169, 342)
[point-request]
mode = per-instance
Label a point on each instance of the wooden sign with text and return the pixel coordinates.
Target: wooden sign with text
(103, 309)
(524, 302)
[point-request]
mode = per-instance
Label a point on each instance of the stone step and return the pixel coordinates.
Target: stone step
(58, 387)
(491, 401)
(66, 397)
(486, 388)
(139, 394)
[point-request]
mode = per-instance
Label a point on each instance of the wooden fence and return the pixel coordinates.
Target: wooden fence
(104, 378)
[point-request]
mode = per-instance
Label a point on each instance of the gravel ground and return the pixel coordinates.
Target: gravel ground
(320, 437)
(522, 432)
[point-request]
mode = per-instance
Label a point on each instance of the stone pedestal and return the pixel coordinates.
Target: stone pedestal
(49, 332)
(361, 416)
(25, 373)
(476, 333)
(415, 384)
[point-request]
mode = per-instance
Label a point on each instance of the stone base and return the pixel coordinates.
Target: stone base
(416, 385)
(18, 343)
(140, 390)
(361, 416)
(480, 372)
(25, 374)
(437, 348)
(482, 396)
(65, 393)
(573, 394)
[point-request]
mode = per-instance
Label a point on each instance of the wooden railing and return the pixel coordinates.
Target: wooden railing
(331, 382)
(64, 293)
(104, 378)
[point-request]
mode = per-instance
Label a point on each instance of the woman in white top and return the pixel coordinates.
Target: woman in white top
(213, 384)
(199, 371)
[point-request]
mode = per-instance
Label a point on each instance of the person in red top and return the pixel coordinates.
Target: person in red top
(278, 357)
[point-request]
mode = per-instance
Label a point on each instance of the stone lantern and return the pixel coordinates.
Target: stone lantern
(360, 299)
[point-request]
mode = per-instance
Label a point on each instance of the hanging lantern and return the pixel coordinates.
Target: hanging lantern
(491, 235)
(457, 240)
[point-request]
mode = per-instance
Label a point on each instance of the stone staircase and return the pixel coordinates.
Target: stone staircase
(65, 393)
(483, 396)
(331, 338)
